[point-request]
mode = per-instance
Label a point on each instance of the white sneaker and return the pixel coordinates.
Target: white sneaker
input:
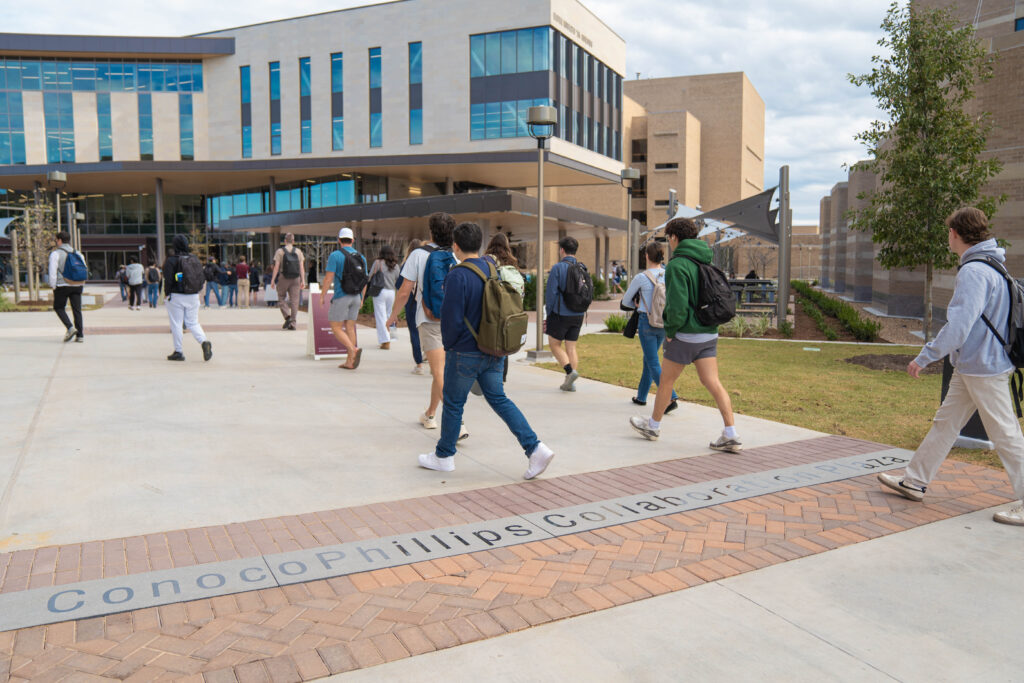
(1014, 515)
(905, 490)
(463, 432)
(726, 444)
(430, 461)
(570, 380)
(419, 370)
(641, 424)
(539, 460)
(428, 422)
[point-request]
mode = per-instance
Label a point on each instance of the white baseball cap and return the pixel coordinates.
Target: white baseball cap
(346, 234)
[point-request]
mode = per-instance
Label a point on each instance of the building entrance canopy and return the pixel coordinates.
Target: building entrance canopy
(514, 212)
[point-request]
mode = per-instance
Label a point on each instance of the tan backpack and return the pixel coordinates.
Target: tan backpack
(656, 306)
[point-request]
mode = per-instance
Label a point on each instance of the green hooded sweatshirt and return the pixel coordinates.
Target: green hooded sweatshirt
(681, 285)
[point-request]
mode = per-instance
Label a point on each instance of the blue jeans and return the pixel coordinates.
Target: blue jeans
(651, 339)
(153, 293)
(461, 369)
(231, 294)
(124, 290)
(414, 333)
(215, 288)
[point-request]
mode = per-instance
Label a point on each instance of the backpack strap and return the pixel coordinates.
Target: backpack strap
(1001, 269)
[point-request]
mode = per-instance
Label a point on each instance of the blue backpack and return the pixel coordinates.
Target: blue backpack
(438, 264)
(74, 272)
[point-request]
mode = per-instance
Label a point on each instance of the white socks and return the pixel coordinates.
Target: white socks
(729, 432)
(653, 424)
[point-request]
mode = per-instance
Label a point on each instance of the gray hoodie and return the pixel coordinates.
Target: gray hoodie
(965, 338)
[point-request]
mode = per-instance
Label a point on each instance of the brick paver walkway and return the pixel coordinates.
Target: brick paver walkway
(328, 626)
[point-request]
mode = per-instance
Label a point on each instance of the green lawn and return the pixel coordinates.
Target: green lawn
(781, 381)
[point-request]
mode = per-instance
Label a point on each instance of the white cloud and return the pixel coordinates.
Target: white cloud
(797, 53)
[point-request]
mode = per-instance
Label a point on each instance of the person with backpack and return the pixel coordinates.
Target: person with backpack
(348, 267)
(409, 304)
(688, 339)
(499, 252)
(567, 296)
(289, 268)
(122, 281)
(254, 282)
(136, 281)
(648, 289)
(211, 271)
(469, 357)
(242, 280)
(420, 276)
(184, 277)
(980, 330)
(153, 278)
(383, 275)
(67, 278)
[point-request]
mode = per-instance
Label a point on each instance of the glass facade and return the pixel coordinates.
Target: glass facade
(376, 116)
(415, 93)
(60, 127)
(305, 107)
(104, 127)
(245, 84)
(100, 75)
(185, 127)
(145, 126)
(12, 129)
(337, 102)
(275, 108)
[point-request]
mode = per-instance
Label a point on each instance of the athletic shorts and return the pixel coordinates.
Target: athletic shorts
(685, 353)
(564, 327)
(344, 308)
(430, 335)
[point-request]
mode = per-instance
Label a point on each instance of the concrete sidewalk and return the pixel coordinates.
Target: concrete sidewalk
(106, 439)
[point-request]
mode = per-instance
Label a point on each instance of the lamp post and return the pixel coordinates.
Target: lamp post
(627, 177)
(541, 122)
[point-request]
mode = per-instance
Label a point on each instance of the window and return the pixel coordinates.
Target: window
(104, 127)
(12, 129)
(640, 187)
(185, 126)
(145, 126)
(100, 75)
(245, 87)
(1018, 25)
(416, 93)
(639, 150)
(275, 108)
(337, 102)
(376, 117)
(305, 107)
(665, 166)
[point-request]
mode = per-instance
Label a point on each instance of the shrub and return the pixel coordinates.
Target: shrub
(600, 288)
(862, 329)
(6, 306)
(814, 313)
(759, 326)
(615, 322)
(736, 327)
(367, 306)
(786, 329)
(530, 294)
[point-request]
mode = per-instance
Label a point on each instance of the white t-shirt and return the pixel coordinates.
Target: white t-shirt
(412, 271)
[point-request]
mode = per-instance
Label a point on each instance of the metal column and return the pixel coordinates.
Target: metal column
(161, 237)
(785, 238)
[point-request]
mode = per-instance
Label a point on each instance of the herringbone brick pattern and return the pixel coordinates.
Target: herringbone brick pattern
(311, 630)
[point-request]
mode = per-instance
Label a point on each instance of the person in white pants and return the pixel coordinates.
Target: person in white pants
(182, 307)
(387, 265)
(981, 364)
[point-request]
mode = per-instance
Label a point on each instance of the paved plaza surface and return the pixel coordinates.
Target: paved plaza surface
(261, 517)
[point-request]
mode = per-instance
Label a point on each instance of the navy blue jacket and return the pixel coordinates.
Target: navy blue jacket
(463, 297)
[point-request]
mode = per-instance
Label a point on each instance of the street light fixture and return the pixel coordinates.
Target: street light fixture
(541, 122)
(628, 176)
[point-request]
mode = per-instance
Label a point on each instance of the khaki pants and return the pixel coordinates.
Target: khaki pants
(990, 396)
(288, 296)
(243, 293)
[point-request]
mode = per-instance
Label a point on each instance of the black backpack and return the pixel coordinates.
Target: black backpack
(353, 275)
(716, 304)
(579, 288)
(290, 264)
(192, 276)
(152, 275)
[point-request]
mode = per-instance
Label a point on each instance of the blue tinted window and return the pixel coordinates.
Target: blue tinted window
(508, 52)
(415, 63)
(1018, 25)
(415, 126)
(493, 120)
(477, 56)
(106, 143)
(275, 80)
(246, 142)
(541, 48)
(493, 54)
(83, 76)
(275, 138)
(306, 136)
(477, 121)
(31, 75)
(145, 126)
(338, 133)
(246, 84)
(522, 117)
(12, 132)
(337, 73)
(60, 130)
(304, 87)
(185, 126)
(376, 130)
(524, 50)
(509, 113)
(375, 67)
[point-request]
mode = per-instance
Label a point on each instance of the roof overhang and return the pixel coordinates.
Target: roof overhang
(47, 45)
(497, 169)
(513, 212)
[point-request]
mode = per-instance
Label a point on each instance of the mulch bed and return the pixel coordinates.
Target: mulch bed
(892, 362)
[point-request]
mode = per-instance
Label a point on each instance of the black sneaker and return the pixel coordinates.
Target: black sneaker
(207, 350)
(671, 406)
(286, 323)
(639, 402)
(177, 355)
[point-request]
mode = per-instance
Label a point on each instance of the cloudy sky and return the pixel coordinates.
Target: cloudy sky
(796, 53)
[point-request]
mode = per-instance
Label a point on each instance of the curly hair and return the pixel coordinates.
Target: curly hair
(441, 227)
(681, 229)
(970, 224)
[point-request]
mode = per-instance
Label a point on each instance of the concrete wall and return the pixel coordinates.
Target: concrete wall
(825, 221)
(87, 141)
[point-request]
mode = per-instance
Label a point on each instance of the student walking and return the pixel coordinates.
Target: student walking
(465, 363)
(231, 285)
(976, 314)
(566, 305)
(648, 289)
(499, 252)
(348, 267)
(384, 300)
(212, 272)
(687, 340)
(136, 280)
(409, 303)
(65, 291)
(184, 277)
(289, 268)
(122, 281)
(242, 278)
(153, 277)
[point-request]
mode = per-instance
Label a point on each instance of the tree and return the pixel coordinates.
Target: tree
(927, 154)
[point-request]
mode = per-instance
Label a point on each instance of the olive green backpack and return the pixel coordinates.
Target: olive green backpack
(502, 319)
